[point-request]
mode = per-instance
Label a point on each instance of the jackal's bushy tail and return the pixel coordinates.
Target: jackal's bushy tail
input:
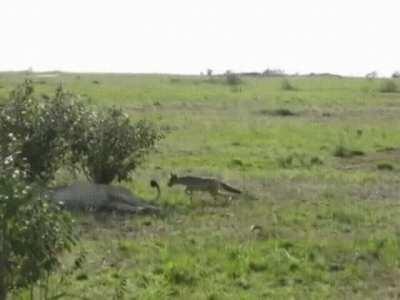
(230, 189)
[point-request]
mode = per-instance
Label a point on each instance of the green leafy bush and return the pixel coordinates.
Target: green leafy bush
(61, 131)
(110, 146)
(33, 231)
(42, 130)
(37, 138)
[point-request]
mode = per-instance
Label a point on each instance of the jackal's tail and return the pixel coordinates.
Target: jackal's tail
(229, 188)
(154, 184)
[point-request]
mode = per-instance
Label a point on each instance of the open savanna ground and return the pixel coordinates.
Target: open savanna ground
(319, 166)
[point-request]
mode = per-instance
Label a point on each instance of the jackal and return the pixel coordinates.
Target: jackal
(213, 186)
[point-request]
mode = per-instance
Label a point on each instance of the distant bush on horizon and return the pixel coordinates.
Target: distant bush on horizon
(388, 86)
(273, 73)
(232, 78)
(371, 75)
(287, 86)
(396, 75)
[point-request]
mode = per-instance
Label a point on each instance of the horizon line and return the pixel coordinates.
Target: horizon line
(249, 73)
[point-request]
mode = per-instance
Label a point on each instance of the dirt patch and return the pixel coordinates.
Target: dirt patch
(314, 190)
(370, 113)
(383, 160)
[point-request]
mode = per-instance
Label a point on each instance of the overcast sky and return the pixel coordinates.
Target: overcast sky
(350, 37)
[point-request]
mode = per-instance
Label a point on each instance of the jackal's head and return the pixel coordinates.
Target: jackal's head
(172, 179)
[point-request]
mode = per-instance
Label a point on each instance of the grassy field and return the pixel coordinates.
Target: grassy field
(319, 166)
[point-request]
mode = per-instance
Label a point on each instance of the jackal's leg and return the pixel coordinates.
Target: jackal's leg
(215, 195)
(189, 192)
(227, 198)
(224, 196)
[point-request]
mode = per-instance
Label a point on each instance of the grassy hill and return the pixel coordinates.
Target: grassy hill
(319, 167)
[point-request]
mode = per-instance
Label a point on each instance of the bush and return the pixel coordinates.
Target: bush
(396, 74)
(232, 78)
(36, 139)
(42, 130)
(284, 112)
(385, 166)
(344, 152)
(109, 146)
(371, 75)
(388, 86)
(297, 160)
(273, 73)
(59, 131)
(32, 230)
(286, 85)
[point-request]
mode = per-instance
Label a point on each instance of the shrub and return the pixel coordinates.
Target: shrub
(175, 80)
(344, 152)
(273, 73)
(286, 85)
(109, 146)
(385, 166)
(232, 78)
(32, 230)
(41, 130)
(372, 75)
(396, 74)
(388, 86)
(177, 274)
(59, 131)
(296, 160)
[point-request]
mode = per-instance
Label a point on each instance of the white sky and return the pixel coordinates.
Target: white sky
(188, 36)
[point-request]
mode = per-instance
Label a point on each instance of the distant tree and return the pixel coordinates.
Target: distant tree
(209, 72)
(371, 75)
(273, 72)
(232, 78)
(396, 74)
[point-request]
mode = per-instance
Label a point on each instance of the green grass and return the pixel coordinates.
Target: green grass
(329, 223)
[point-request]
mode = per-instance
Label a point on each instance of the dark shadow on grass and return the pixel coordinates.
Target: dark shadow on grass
(279, 112)
(344, 152)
